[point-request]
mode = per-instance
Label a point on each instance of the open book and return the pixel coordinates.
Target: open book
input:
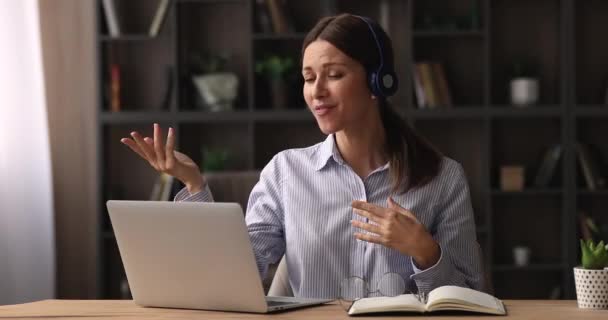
(443, 298)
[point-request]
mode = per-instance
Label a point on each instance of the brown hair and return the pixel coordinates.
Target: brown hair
(413, 160)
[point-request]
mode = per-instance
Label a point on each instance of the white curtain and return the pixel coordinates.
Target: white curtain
(27, 247)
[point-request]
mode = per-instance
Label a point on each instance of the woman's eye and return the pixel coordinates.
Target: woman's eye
(309, 80)
(335, 75)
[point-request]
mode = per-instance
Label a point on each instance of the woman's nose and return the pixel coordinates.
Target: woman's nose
(319, 88)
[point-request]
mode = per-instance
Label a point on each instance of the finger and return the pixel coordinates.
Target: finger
(367, 227)
(144, 147)
(369, 238)
(149, 141)
(368, 215)
(159, 146)
(395, 206)
(369, 207)
(169, 148)
(133, 146)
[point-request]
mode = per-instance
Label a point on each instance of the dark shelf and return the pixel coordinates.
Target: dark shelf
(481, 130)
(127, 37)
(287, 115)
(447, 112)
(532, 111)
(587, 192)
(529, 192)
(279, 36)
(128, 117)
(591, 111)
(531, 267)
(448, 33)
(212, 1)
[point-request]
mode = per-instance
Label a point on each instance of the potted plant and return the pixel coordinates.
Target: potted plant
(524, 86)
(215, 86)
(276, 70)
(214, 159)
(591, 278)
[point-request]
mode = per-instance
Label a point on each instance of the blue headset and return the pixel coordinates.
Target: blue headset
(383, 81)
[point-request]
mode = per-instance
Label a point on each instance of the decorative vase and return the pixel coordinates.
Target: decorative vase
(524, 91)
(521, 256)
(591, 288)
(217, 90)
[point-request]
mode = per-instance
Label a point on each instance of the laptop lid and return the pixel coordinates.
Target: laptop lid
(194, 255)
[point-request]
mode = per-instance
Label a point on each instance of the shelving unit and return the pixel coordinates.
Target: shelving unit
(482, 130)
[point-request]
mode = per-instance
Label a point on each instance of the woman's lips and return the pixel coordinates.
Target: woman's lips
(323, 110)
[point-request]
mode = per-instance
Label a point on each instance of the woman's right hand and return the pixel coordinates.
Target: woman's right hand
(164, 158)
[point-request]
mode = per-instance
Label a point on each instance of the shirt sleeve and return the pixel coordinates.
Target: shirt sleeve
(204, 195)
(264, 217)
(460, 262)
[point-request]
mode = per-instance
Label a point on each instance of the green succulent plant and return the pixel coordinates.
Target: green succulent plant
(594, 256)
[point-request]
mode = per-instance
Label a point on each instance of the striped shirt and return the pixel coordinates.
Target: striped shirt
(301, 208)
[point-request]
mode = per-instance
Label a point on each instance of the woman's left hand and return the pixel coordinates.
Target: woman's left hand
(397, 228)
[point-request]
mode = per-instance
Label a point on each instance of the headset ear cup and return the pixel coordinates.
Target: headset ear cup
(389, 83)
(383, 84)
(373, 85)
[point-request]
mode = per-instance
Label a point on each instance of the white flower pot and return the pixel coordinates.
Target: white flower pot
(591, 288)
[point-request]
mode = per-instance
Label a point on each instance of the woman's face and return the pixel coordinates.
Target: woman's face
(335, 88)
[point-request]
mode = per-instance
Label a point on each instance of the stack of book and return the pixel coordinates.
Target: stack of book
(431, 85)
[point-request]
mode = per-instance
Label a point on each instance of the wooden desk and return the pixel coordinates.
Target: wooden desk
(125, 309)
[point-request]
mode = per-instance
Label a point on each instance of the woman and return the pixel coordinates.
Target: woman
(373, 199)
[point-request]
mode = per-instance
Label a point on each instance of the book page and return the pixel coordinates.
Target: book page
(404, 302)
(459, 298)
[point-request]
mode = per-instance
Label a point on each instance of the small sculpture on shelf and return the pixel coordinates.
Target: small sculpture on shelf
(524, 85)
(591, 278)
(216, 87)
(276, 69)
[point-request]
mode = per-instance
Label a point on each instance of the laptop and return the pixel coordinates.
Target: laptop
(192, 255)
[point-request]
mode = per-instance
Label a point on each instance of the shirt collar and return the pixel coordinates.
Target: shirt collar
(328, 150)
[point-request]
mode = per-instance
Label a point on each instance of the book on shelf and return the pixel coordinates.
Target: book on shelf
(548, 166)
(445, 298)
(279, 17)
(590, 167)
(115, 103)
(111, 15)
(159, 17)
(163, 188)
(431, 85)
(263, 16)
(440, 81)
